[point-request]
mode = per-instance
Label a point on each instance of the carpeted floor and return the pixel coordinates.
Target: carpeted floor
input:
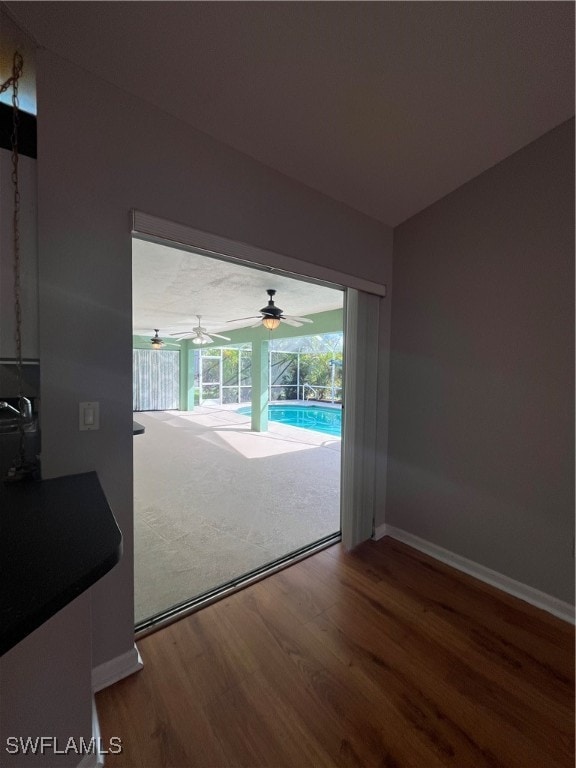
(213, 500)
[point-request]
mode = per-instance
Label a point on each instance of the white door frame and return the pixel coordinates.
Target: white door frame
(361, 356)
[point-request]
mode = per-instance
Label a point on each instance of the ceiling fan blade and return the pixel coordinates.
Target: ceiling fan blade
(289, 321)
(217, 335)
(240, 319)
(299, 319)
(183, 335)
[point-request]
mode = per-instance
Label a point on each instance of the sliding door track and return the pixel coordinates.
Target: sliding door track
(234, 585)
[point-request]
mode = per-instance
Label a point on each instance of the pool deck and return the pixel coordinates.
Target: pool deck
(214, 499)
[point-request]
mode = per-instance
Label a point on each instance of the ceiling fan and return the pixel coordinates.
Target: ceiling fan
(271, 316)
(199, 335)
(155, 342)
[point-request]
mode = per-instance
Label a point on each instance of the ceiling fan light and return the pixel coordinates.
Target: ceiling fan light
(271, 323)
(200, 340)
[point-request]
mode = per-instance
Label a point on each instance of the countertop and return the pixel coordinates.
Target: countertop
(57, 538)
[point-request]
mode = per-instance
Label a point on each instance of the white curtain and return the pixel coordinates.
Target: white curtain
(360, 403)
(155, 379)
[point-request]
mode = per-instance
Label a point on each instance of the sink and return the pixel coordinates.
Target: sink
(9, 424)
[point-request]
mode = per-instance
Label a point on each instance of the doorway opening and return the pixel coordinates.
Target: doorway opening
(226, 490)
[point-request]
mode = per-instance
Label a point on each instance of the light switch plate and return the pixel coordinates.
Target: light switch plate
(89, 416)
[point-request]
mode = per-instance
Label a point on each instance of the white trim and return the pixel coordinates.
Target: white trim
(97, 734)
(548, 603)
(358, 475)
(116, 669)
(91, 760)
(154, 228)
(94, 759)
(347, 466)
(380, 531)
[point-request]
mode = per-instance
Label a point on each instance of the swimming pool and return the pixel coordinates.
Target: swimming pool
(314, 417)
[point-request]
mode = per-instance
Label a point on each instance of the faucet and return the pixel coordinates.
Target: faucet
(6, 406)
(25, 408)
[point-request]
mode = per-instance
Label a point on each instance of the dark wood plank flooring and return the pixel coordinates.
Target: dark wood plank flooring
(380, 657)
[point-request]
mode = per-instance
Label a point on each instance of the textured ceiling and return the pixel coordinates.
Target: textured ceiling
(171, 287)
(385, 106)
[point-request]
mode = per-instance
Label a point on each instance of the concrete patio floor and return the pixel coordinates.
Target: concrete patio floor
(213, 500)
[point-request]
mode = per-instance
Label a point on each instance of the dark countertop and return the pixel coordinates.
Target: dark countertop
(137, 428)
(57, 538)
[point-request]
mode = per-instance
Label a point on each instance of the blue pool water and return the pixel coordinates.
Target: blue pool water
(315, 417)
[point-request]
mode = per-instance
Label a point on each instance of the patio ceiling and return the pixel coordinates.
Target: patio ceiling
(171, 287)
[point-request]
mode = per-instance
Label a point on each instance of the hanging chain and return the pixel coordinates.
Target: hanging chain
(17, 65)
(13, 81)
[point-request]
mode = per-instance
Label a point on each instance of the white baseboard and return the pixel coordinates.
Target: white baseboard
(91, 760)
(116, 669)
(530, 595)
(94, 759)
(96, 734)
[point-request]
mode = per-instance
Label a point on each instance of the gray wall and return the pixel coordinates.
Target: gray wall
(101, 153)
(481, 441)
(45, 689)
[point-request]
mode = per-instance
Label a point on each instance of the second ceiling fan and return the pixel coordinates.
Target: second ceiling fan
(199, 335)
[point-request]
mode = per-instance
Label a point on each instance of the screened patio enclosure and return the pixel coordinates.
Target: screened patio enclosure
(308, 368)
(297, 368)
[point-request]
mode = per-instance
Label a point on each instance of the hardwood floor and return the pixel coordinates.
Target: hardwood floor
(382, 657)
